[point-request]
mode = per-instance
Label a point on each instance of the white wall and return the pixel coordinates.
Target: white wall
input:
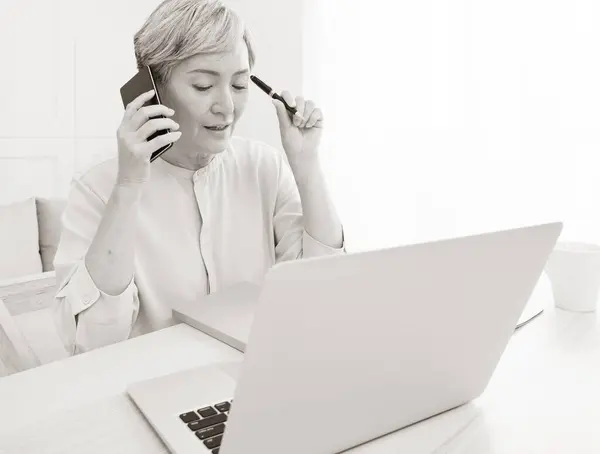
(460, 116)
(64, 62)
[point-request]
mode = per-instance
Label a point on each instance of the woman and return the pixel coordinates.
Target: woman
(212, 211)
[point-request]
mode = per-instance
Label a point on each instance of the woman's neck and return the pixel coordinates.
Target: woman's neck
(194, 161)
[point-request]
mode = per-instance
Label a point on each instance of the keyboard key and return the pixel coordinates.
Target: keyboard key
(213, 442)
(210, 431)
(207, 411)
(189, 417)
(215, 451)
(223, 406)
(207, 422)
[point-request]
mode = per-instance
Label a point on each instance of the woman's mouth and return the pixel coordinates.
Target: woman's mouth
(218, 128)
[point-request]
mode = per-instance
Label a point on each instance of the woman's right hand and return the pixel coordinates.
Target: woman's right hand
(137, 125)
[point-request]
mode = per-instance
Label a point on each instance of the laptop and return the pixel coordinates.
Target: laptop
(226, 315)
(345, 349)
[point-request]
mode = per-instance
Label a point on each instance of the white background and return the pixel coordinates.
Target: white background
(456, 117)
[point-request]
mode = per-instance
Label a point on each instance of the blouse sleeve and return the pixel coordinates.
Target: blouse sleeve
(292, 241)
(86, 317)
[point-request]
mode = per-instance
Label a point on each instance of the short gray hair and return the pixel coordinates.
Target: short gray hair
(179, 29)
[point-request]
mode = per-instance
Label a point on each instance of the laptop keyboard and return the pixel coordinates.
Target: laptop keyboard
(208, 423)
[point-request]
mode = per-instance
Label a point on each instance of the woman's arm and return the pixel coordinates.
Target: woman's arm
(97, 301)
(320, 217)
(110, 257)
(305, 225)
(300, 137)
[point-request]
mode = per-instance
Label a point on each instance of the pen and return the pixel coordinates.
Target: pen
(269, 91)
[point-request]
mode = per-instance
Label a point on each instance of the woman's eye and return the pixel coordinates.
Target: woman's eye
(199, 88)
(240, 87)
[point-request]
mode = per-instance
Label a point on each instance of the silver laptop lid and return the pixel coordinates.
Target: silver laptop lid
(345, 349)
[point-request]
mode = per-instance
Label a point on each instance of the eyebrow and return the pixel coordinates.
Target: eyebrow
(216, 73)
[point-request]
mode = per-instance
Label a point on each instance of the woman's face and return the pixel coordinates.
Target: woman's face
(208, 93)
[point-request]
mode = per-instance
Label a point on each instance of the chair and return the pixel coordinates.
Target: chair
(28, 337)
(30, 230)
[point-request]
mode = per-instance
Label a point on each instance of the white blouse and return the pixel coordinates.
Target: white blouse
(198, 232)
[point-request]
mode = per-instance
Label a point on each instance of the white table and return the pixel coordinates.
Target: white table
(543, 398)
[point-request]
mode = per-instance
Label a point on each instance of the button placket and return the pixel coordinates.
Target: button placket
(199, 184)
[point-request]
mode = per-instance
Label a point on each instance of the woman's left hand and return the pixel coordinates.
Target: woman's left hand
(300, 138)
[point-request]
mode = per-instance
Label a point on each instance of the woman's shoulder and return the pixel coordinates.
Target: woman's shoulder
(99, 177)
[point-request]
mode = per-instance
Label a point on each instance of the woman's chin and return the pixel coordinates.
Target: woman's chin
(216, 145)
(212, 147)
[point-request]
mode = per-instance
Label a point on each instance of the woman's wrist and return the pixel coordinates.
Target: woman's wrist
(305, 170)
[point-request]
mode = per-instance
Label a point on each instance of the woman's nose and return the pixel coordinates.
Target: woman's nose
(224, 104)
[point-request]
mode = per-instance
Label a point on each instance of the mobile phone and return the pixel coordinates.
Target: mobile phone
(143, 82)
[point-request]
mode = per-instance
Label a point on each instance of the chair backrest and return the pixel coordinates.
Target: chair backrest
(49, 213)
(28, 336)
(15, 353)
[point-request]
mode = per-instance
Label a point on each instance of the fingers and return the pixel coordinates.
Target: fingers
(300, 105)
(308, 116)
(137, 103)
(146, 113)
(286, 95)
(315, 119)
(282, 114)
(159, 142)
(154, 125)
(309, 108)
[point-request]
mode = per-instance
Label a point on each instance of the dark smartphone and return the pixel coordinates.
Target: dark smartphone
(142, 82)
